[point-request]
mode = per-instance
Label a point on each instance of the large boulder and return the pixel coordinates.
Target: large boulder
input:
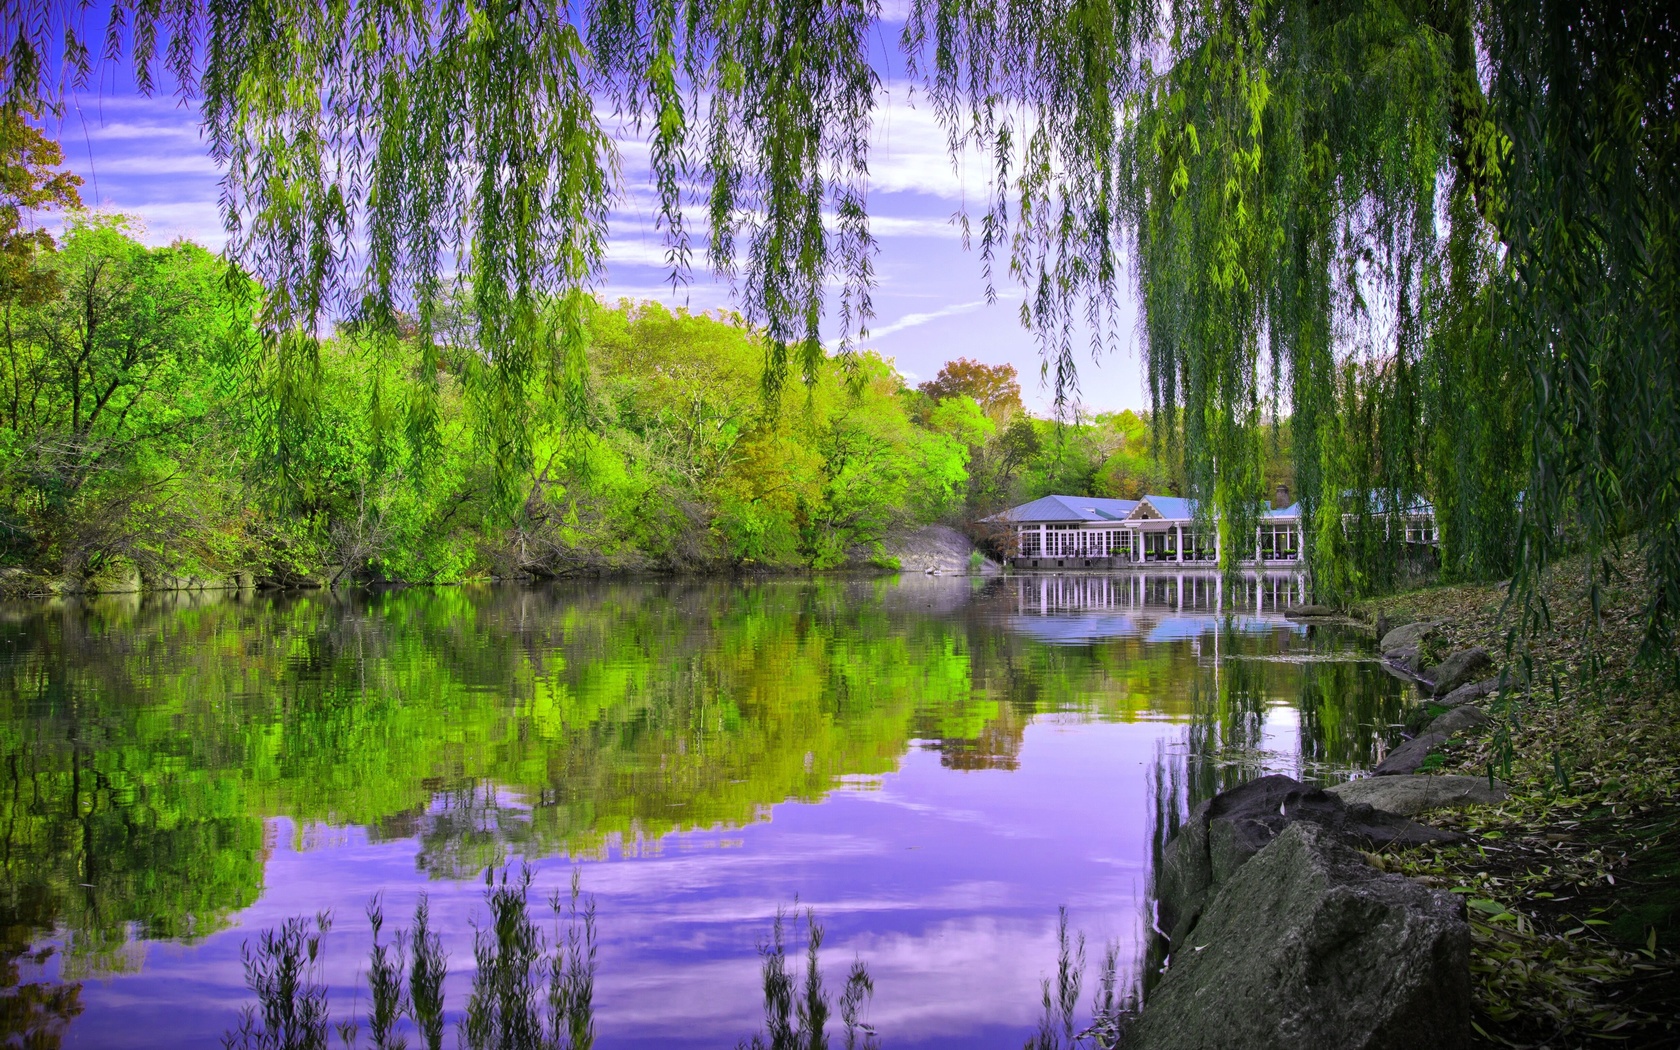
(118, 578)
(1461, 668)
(1307, 947)
(1409, 635)
(935, 548)
(1227, 830)
(1410, 795)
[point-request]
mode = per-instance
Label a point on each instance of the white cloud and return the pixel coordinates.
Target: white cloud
(909, 154)
(898, 226)
(918, 319)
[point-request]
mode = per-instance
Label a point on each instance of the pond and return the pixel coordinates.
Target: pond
(932, 766)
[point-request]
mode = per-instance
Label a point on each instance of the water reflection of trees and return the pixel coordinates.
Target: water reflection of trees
(1347, 710)
(146, 743)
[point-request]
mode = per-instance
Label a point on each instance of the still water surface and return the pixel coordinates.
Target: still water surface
(933, 765)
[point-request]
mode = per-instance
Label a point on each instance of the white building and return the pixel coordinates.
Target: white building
(1085, 532)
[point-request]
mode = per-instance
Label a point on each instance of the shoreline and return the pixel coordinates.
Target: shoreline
(1528, 814)
(1573, 880)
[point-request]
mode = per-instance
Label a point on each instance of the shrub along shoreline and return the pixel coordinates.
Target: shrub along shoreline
(933, 548)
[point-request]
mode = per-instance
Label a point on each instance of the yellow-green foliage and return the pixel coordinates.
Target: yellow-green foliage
(185, 445)
(484, 721)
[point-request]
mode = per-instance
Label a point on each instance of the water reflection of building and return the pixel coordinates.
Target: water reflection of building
(1075, 608)
(1159, 592)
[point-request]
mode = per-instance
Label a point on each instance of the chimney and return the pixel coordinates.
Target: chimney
(1281, 499)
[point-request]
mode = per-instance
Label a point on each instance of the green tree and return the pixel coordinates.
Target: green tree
(108, 388)
(1276, 169)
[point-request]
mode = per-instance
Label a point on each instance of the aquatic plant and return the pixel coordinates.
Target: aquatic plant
(425, 977)
(571, 989)
(1057, 1027)
(536, 991)
(531, 991)
(504, 1012)
(385, 973)
(284, 972)
(797, 1018)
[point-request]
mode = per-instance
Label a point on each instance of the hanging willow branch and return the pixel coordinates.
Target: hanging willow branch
(374, 150)
(1435, 236)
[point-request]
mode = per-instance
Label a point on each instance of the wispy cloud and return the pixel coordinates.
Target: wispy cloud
(918, 319)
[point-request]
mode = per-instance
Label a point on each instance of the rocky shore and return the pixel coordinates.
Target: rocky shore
(1535, 907)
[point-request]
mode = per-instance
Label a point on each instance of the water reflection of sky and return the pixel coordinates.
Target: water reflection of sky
(1059, 628)
(944, 873)
(946, 883)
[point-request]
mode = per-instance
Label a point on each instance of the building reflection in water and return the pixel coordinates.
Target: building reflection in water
(1160, 592)
(1085, 607)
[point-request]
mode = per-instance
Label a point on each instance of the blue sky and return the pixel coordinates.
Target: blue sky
(145, 157)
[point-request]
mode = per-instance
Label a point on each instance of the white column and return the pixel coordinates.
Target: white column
(1180, 529)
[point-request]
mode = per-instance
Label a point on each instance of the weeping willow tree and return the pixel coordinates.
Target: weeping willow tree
(1437, 235)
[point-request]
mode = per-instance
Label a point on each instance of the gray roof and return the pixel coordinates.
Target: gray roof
(1097, 509)
(1069, 508)
(1175, 508)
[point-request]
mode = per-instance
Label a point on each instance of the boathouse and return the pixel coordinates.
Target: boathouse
(1087, 532)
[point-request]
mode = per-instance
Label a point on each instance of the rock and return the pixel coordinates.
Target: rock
(1409, 756)
(1307, 947)
(1466, 693)
(1409, 635)
(1460, 718)
(937, 547)
(1404, 659)
(1226, 830)
(119, 578)
(1461, 668)
(170, 582)
(1408, 794)
(1310, 611)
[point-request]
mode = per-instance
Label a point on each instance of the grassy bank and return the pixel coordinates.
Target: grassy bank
(1574, 882)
